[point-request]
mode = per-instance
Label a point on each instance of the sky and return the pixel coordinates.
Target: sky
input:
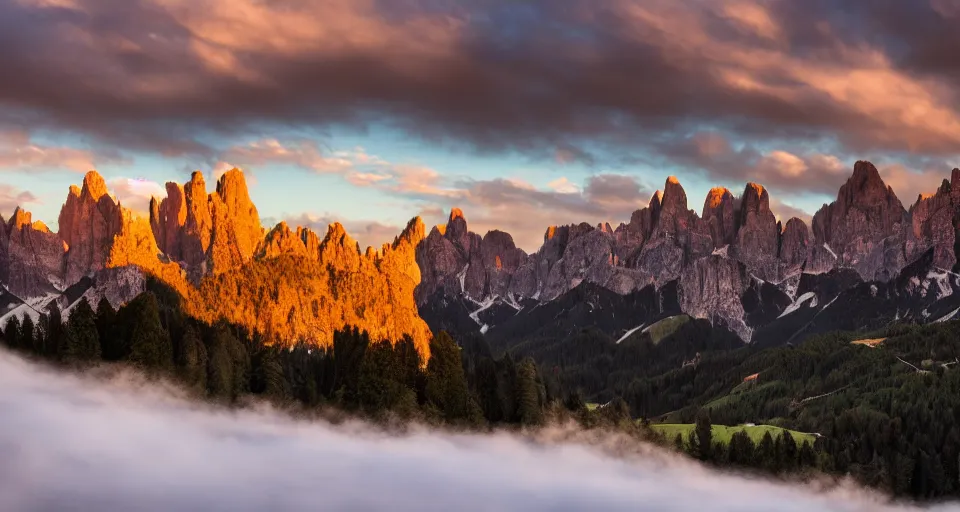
(523, 113)
(120, 442)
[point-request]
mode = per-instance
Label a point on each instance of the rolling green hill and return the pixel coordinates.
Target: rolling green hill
(722, 433)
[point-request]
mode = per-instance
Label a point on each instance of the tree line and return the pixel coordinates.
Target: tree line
(226, 362)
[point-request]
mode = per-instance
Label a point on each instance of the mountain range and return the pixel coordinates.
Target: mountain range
(865, 261)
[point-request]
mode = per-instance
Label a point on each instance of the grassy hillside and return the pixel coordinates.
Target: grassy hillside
(722, 433)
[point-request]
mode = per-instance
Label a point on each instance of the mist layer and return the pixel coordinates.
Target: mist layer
(77, 443)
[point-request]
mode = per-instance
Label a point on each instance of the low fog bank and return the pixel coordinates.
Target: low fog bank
(77, 443)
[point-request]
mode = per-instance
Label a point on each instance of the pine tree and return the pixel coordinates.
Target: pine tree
(268, 376)
(83, 325)
(42, 337)
(788, 450)
(228, 365)
(529, 394)
(149, 344)
(240, 358)
(446, 387)
(766, 452)
(192, 359)
(703, 436)
(808, 458)
(349, 347)
(11, 333)
(54, 330)
(220, 367)
(68, 349)
(678, 442)
(741, 448)
(411, 365)
(27, 333)
(380, 386)
(106, 329)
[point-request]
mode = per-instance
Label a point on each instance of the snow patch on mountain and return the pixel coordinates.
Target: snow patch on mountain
(809, 296)
(630, 332)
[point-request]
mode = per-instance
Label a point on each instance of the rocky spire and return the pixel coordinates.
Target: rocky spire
(720, 216)
(168, 219)
(932, 225)
(88, 222)
(238, 215)
(282, 241)
(339, 250)
(456, 230)
(31, 256)
(758, 235)
(674, 197)
(94, 186)
(864, 228)
(794, 247)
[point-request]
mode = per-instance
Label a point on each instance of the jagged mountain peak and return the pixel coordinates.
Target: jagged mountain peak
(656, 199)
(865, 187)
(755, 199)
(674, 197)
(94, 185)
(755, 190)
(413, 233)
(20, 218)
(715, 197)
(456, 227)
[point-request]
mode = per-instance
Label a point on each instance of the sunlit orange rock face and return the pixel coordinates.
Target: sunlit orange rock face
(297, 292)
(88, 221)
(286, 284)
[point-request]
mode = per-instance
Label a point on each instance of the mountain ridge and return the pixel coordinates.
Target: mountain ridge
(729, 262)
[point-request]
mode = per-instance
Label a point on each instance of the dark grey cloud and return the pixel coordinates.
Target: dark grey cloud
(544, 77)
(69, 443)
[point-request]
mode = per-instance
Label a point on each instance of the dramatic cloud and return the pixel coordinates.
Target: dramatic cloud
(302, 153)
(19, 152)
(11, 197)
(544, 77)
(121, 444)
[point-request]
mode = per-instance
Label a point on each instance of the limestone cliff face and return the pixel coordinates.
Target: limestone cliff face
(281, 240)
(720, 212)
(33, 256)
(211, 248)
(294, 297)
(711, 287)
(455, 260)
(207, 233)
(934, 224)
(88, 221)
(677, 238)
(758, 236)
(794, 247)
(864, 227)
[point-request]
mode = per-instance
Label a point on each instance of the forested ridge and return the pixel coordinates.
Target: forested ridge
(887, 409)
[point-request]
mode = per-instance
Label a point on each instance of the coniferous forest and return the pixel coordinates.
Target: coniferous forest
(462, 385)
